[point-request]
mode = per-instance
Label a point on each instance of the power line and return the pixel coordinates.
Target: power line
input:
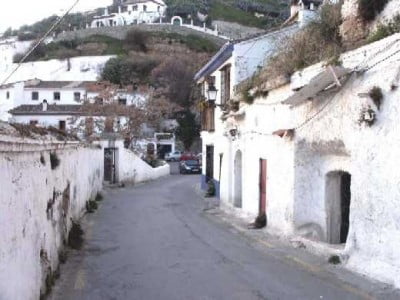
(51, 29)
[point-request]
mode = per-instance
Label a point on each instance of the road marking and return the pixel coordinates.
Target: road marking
(305, 265)
(80, 280)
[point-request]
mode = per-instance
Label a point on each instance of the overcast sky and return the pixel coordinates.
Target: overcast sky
(15, 13)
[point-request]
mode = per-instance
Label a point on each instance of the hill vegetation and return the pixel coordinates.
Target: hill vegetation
(254, 13)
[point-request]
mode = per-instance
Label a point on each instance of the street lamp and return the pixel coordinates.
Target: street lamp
(212, 93)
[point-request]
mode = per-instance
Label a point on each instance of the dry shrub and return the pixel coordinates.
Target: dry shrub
(320, 40)
(137, 40)
(369, 9)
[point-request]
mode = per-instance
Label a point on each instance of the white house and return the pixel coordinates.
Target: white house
(132, 12)
(53, 103)
(236, 62)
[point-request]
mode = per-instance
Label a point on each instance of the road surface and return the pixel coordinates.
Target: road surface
(154, 241)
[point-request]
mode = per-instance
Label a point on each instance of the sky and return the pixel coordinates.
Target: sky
(16, 13)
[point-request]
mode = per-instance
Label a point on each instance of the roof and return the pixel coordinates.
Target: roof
(52, 109)
(330, 77)
(222, 56)
(226, 51)
(39, 84)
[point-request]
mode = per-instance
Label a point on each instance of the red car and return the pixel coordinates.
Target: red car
(188, 156)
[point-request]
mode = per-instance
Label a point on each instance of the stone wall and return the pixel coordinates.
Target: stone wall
(121, 31)
(39, 199)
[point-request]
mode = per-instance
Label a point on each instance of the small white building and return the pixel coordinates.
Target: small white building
(132, 12)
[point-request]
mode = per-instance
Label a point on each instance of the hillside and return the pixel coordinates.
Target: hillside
(252, 13)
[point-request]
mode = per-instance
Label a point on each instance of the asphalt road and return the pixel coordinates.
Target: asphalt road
(154, 241)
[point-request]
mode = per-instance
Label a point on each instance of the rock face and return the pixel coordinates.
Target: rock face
(353, 29)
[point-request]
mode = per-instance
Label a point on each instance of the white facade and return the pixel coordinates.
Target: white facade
(132, 12)
(318, 156)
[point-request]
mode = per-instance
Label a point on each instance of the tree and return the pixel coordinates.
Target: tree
(175, 78)
(125, 71)
(188, 130)
(106, 114)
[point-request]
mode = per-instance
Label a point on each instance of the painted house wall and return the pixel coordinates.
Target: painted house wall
(32, 230)
(45, 120)
(153, 12)
(67, 96)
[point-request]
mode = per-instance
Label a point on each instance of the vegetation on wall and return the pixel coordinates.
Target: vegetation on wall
(369, 9)
(377, 96)
(319, 41)
(385, 30)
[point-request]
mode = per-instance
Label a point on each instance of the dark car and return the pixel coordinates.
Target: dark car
(190, 167)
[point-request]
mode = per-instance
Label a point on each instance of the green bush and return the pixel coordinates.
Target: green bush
(124, 71)
(385, 30)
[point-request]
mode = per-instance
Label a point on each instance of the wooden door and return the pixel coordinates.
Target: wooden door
(263, 186)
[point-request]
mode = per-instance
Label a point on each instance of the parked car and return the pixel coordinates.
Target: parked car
(191, 166)
(188, 156)
(173, 156)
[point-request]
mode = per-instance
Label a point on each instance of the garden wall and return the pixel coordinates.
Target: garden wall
(44, 186)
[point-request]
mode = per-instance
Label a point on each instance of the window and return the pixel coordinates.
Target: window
(144, 7)
(225, 84)
(122, 101)
(77, 96)
(61, 125)
(8, 95)
(35, 95)
(134, 8)
(57, 96)
(33, 122)
(158, 8)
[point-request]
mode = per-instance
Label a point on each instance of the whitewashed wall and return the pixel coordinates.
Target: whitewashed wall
(335, 141)
(66, 96)
(130, 168)
(84, 68)
(30, 222)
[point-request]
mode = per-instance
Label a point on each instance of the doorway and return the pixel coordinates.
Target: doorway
(263, 187)
(209, 163)
(237, 200)
(338, 200)
(110, 165)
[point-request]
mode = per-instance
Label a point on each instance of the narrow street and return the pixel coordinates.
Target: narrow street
(154, 241)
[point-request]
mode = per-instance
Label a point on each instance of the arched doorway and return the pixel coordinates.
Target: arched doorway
(177, 21)
(338, 198)
(237, 195)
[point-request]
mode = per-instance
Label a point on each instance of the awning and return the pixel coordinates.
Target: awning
(332, 76)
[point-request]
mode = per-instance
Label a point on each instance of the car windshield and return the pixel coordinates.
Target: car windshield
(192, 163)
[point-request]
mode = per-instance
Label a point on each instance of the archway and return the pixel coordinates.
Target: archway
(177, 21)
(338, 198)
(237, 195)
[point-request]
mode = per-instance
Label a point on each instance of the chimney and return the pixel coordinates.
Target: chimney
(44, 105)
(106, 11)
(119, 9)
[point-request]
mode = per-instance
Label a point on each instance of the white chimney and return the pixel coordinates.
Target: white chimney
(119, 9)
(106, 11)
(44, 105)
